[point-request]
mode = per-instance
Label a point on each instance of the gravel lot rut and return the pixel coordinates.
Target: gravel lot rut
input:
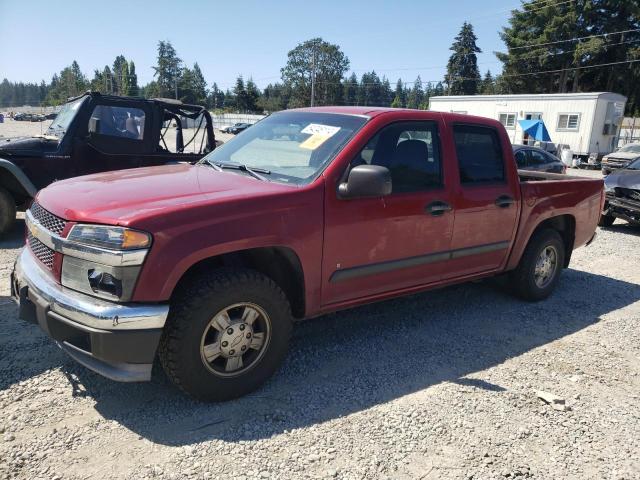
(436, 385)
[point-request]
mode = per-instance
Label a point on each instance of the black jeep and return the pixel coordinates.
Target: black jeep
(96, 133)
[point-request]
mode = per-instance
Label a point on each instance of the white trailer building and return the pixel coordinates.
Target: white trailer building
(586, 122)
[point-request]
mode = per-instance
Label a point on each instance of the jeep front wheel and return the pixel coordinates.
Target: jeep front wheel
(7, 211)
(227, 333)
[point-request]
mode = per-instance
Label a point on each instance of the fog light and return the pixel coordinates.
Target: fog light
(104, 282)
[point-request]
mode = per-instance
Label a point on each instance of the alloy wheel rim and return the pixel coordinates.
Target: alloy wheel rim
(235, 339)
(546, 266)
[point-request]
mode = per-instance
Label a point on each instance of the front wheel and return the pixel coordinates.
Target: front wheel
(227, 333)
(539, 269)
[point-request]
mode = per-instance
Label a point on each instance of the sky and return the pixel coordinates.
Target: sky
(399, 39)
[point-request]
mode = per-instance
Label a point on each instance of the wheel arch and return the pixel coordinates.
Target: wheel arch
(565, 225)
(280, 264)
(14, 180)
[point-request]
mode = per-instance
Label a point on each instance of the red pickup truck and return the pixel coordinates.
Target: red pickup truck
(307, 212)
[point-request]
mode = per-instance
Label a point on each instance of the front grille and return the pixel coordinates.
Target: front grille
(47, 220)
(41, 251)
(615, 163)
(628, 193)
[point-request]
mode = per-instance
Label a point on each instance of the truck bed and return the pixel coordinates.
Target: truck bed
(577, 200)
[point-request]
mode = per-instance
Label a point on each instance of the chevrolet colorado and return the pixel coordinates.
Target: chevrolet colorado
(307, 212)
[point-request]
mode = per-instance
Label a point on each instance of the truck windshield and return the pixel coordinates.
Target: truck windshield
(635, 165)
(66, 114)
(630, 148)
(293, 147)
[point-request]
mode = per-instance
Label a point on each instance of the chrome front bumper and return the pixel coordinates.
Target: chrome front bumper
(116, 340)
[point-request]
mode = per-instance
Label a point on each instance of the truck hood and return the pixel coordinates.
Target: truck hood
(623, 155)
(126, 196)
(28, 146)
(623, 178)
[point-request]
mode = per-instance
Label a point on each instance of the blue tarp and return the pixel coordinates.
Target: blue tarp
(535, 129)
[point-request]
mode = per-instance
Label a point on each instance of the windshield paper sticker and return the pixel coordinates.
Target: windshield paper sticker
(319, 134)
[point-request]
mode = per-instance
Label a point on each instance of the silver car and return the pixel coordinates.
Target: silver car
(620, 158)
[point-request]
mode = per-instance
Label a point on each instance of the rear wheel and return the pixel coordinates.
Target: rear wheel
(539, 269)
(227, 333)
(606, 220)
(7, 211)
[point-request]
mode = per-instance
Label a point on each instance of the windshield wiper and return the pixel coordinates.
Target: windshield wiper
(215, 167)
(254, 172)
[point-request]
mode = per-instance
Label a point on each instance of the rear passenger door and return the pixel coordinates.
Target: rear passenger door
(486, 203)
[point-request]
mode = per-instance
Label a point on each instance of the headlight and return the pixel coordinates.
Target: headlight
(113, 238)
(608, 188)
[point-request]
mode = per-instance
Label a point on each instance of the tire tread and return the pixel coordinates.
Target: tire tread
(194, 294)
(520, 277)
(7, 211)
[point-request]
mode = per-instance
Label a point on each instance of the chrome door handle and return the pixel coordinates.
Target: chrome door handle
(504, 201)
(438, 208)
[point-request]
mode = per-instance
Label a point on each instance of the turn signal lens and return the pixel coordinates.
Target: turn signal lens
(135, 239)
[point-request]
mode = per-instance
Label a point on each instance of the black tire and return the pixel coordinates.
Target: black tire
(606, 220)
(523, 278)
(193, 308)
(7, 211)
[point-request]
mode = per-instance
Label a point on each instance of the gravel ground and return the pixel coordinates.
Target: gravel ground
(437, 385)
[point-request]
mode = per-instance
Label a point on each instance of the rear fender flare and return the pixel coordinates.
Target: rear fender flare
(19, 176)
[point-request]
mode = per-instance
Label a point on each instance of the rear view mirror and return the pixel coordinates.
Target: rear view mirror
(366, 181)
(94, 125)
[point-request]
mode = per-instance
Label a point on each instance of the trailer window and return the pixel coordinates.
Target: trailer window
(508, 120)
(568, 121)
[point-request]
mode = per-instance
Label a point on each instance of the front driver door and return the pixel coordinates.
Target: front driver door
(377, 245)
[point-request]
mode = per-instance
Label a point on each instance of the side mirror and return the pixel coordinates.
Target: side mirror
(366, 181)
(94, 125)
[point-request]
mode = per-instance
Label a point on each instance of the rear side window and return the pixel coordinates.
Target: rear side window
(479, 155)
(521, 158)
(539, 158)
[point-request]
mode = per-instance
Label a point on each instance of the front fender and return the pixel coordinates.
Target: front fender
(19, 176)
(293, 221)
